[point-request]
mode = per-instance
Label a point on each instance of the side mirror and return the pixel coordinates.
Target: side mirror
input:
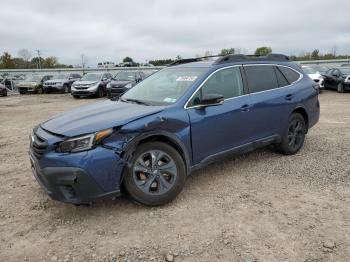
(211, 100)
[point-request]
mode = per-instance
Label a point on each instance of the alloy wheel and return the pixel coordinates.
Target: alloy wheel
(154, 172)
(295, 133)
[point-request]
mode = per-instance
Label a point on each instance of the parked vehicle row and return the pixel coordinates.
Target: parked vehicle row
(91, 84)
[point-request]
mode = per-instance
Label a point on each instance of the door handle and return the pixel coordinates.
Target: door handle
(289, 97)
(245, 108)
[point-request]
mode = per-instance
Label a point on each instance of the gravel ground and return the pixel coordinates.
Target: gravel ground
(259, 206)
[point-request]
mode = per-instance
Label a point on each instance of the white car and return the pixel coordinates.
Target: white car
(314, 75)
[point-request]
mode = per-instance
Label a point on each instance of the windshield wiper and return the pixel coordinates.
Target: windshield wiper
(134, 101)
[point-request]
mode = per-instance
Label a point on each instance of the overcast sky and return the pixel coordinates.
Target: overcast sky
(111, 29)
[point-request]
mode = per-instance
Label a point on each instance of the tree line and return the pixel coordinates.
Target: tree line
(25, 59)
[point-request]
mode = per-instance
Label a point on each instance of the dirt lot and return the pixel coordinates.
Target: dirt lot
(257, 207)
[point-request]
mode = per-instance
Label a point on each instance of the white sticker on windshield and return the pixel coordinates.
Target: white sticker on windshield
(186, 78)
(169, 100)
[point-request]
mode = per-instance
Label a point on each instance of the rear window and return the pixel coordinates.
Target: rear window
(281, 79)
(290, 74)
(260, 78)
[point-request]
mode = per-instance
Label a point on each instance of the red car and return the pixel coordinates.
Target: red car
(3, 90)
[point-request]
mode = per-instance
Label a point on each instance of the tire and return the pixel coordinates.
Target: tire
(40, 90)
(76, 96)
(100, 92)
(65, 89)
(22, 92)
(340, 88)
(159, 188)
(294, 137)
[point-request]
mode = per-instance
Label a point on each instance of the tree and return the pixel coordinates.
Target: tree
(227, 51)
(178, 57)
(25, 55)
(6, 61)
(315, 54)
(262, 51)
(50, 62)
(128, 59)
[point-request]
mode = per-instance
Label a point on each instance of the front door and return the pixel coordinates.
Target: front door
(219, 128)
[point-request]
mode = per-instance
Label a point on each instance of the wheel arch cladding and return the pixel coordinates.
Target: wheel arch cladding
(303, 113)
(159, 137)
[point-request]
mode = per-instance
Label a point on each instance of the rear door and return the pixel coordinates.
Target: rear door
(272, 98)
(216, 129)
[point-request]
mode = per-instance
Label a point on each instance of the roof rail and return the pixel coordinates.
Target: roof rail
(241, 58)
(191, 60)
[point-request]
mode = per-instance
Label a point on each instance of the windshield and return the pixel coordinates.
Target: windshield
(309, 70)
(91, 77)
(124, 76)
(320, 69)
(34, 78)
(164, 87)
(62, 76)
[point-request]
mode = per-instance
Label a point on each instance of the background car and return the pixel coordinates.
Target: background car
(33, 84)
(11, 79)
(314, 75)
(123, 81)
(105, 64)
(337, 79)
(62, 82)
(3, 90)
(321, 69)
(91, 84)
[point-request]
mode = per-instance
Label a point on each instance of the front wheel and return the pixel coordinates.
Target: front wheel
(65, 89)
(156, 174)
(100, 92)
(294, 138)
(340, 88)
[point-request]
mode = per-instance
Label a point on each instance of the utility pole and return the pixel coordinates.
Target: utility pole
(39, 61)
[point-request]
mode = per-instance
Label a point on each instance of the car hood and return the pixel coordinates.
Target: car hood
(120, 83)
(85, 82)
(28, 82)
(315, 76)
(97, 116)
(55, 80)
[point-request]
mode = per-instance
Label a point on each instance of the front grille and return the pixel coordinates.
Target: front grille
(38, 145)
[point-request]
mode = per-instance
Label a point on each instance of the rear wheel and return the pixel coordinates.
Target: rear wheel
(22, 92)
(340, 88)
(156, 175)
(294, 137)
(40, 90)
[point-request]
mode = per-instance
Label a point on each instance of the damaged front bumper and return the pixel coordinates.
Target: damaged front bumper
(78, 178)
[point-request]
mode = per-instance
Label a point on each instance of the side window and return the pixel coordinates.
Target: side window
(290, 74)
(227, 82)
(281, 79)
(261, 78)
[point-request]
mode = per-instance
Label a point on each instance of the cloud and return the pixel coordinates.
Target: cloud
(144, 30)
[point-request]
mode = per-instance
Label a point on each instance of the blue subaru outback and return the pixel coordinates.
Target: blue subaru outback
(180, 119)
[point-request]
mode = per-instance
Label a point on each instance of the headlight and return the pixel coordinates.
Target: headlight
(83, 143)
(109, 85)
(128, 85)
